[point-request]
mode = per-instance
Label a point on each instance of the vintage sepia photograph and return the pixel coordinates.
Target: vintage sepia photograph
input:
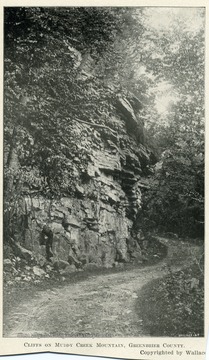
(103, 192)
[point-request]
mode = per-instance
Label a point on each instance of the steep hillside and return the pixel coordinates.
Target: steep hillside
(74, 143)
(93, 216)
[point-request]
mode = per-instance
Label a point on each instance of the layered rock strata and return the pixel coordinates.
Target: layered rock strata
(92, 222)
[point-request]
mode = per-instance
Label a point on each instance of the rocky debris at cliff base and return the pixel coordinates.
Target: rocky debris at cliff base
(60, 265)
(17, 270)
(68, 270)
(22, 252)
(38, 271)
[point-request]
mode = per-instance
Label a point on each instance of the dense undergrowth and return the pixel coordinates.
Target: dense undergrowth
(174, 305)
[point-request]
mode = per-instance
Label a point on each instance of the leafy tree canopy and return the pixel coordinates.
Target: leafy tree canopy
(125, 49)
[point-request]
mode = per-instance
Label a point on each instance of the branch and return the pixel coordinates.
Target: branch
(198, 262)
(96, 125)
(199, 200)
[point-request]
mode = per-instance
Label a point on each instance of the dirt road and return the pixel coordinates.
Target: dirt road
(100, 306)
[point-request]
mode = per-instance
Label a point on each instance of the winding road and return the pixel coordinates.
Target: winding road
(100, 306)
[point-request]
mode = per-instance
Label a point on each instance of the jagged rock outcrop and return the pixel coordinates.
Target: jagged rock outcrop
(92, 221)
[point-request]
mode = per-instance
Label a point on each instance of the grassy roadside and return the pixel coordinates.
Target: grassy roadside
(174, 305)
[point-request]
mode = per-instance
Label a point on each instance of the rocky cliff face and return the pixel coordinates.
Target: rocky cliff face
(92, 221)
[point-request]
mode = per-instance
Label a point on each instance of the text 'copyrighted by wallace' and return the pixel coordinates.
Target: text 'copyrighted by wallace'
(164, 349)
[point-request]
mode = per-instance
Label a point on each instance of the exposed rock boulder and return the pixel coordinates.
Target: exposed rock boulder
(68, 270)
(126, 109)
(38, 271)
(133, 122)
(23, 253)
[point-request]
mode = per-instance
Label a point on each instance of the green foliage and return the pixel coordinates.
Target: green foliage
(59, 58)
(174, 306)
(175, 201)
(42, 92)
(54, 75)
